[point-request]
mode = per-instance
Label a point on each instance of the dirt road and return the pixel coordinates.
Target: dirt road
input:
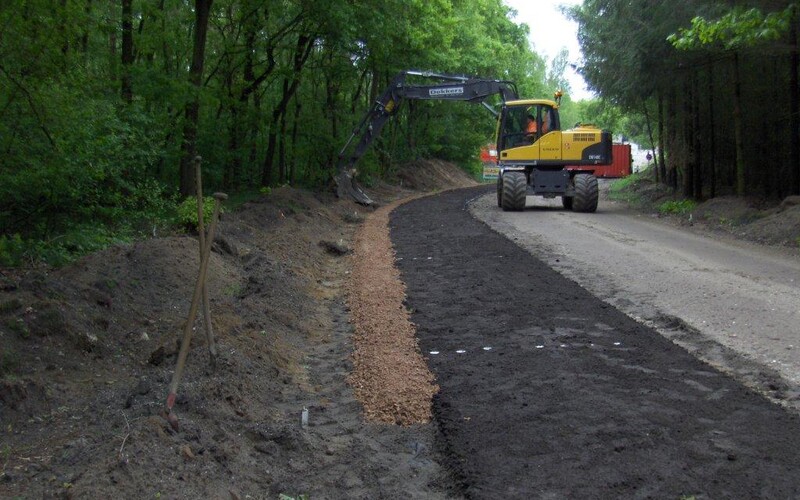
(735, 304)
(548, 392)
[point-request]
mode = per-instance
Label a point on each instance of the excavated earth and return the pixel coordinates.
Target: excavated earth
(87, 353)
(554, 395)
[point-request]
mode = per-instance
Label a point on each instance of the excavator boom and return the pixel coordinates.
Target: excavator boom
(449, 87)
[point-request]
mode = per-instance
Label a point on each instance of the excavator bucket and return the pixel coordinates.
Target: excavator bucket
(346, 186)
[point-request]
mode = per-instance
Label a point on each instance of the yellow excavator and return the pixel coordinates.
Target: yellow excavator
(532, 149)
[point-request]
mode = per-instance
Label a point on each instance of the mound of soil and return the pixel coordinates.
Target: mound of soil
(781, 227)
(87, 353)
(769, 222)
(433, 175)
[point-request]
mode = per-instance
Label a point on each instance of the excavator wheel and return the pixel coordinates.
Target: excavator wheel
(514, 191)
(586, 193)
(500, 190)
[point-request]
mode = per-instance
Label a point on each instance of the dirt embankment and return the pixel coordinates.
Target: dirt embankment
(763, 221)
(87, 353)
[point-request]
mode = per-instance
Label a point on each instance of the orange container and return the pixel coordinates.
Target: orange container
(620, 165)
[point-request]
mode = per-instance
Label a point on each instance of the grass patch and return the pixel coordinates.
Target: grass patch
(628, 188)
(238, 199)
(9, 361)
(18, 326)
(16, 251)
(10, 306)
(677, 207)
(234, 290)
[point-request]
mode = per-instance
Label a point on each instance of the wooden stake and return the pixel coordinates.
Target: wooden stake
(187, 329)
(212, 346)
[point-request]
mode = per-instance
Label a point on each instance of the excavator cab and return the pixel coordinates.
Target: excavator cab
(524, 124)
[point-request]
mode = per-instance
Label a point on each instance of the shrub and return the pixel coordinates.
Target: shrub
(186, 216)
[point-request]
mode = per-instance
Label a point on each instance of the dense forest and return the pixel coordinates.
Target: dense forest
(712, 86)
(104, 104)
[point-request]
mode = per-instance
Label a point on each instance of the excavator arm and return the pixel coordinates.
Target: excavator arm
(449, 88)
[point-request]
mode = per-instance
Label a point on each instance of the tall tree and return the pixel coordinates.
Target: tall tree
(736, 30)
(127, 50)
(202, 10)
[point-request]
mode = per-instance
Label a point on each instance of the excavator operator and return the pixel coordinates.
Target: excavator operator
(531, 129)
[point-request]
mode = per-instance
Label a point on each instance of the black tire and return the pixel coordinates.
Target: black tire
(586, 193)
(567, 202)
(500, 190)
(514, 191)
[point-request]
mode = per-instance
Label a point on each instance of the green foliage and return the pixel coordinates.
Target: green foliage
(474, 168)
(741, 27)
(625, 189)
(625, 184)
(677, 207)
(186, 212)
(284, 496)
(9, 361)
(67, 246)
(82, 167)
(18, 326)
(236, 200)
(10, 305)
(12, 250)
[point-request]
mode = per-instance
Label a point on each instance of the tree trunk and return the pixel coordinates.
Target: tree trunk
(253, 133)
(192, 109)
(331, 90)
(238, 136)
(712, 128)
(85, 36)
(697, 140)
(303, 49)
(229, 179)
(127, 50)
(794, 106)
(661, 163)
(672, 130)
(282, 151)
(737, 127)
(652, 139)
(292, 170)
(688, 137)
